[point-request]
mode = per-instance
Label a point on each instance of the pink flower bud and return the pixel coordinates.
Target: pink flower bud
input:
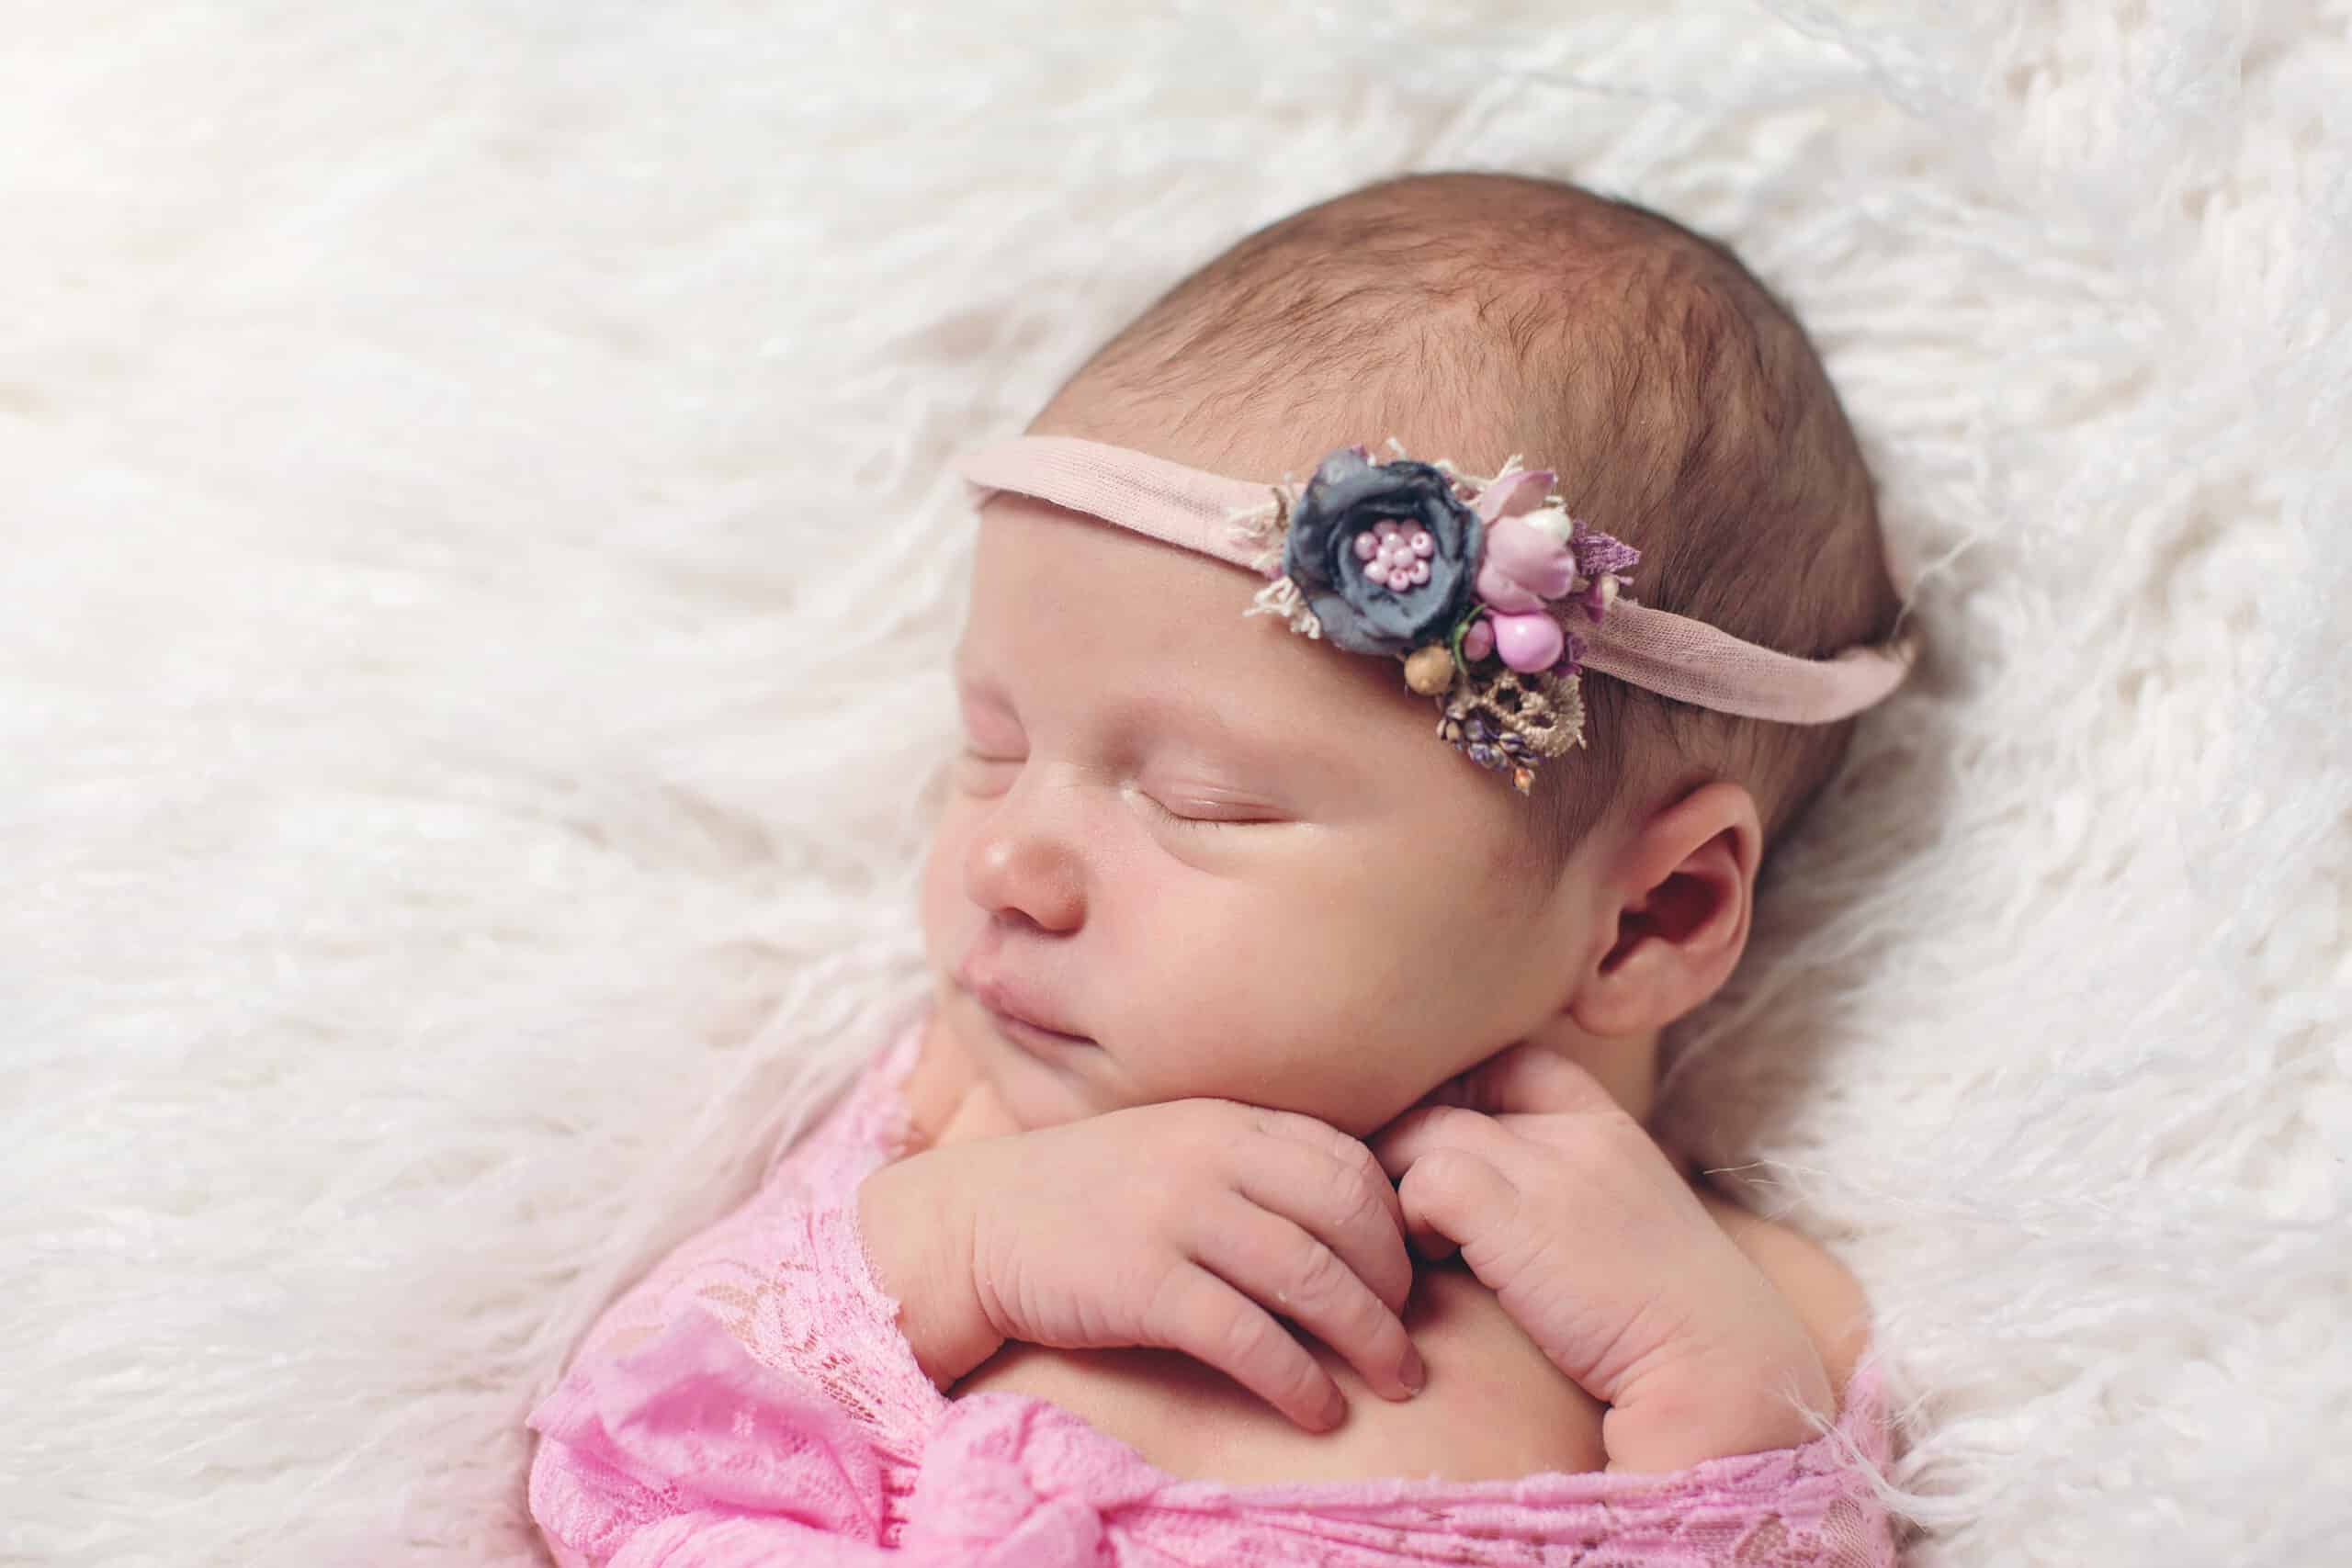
(1522, 568)
(1479, 640)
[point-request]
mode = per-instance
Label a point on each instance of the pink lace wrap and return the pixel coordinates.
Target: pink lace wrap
(751, 1401)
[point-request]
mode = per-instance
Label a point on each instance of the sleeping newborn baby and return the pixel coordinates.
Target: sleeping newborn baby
(1266, 1178)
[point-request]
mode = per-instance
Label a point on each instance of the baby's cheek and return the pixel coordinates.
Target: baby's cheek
(1339, 1040)
(1185, 1027)
(946, 913)
(1389, 1015)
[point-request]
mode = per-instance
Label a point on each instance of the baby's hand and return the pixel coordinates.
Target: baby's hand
(1186, 1225)
(1565, 1207)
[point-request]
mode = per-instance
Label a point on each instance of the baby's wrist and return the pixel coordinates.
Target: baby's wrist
(919, 1236)
(1758, 1402)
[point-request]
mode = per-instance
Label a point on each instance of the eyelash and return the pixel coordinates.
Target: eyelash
(1205, 822)
(1180, 820)
(1160, 808)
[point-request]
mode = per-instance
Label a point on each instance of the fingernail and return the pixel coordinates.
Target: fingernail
(1415, 1375)
(1335, 1410)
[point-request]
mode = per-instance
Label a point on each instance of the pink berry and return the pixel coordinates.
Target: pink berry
(1418, 571)
(1423, 545)
(1530, 642)
(1365, 546)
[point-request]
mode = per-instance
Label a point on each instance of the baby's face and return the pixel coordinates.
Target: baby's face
(1189, 854)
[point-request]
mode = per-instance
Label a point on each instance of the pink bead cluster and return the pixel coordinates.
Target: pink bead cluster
(1393, 557)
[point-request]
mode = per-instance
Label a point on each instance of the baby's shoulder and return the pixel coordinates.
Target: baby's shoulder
(1823, 1292)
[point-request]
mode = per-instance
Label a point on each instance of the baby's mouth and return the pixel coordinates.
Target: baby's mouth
(1036, 1037)
(1017, 1014)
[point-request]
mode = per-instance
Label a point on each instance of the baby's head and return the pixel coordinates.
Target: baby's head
(1190, 853)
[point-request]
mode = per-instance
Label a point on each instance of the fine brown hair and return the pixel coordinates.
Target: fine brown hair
(1680, 403)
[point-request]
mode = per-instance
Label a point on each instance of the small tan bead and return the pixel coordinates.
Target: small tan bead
(1429, 671)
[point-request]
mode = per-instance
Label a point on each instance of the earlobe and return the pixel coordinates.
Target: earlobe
(1684, 893)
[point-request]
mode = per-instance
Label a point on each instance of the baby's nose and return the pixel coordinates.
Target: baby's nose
(1021, 865)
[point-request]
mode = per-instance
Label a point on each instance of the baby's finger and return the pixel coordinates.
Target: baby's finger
(1350, 1153)
(1275, 1261)
(1452, 1190)
(1207, 1319)
(1416, 1135)
(1530, 1080)
(1343, 1200)
(1421, 1150)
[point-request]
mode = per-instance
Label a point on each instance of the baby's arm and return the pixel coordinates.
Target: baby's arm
(711, 1413)
(1187, 1226)
(737, 1412)
(1563, 1206)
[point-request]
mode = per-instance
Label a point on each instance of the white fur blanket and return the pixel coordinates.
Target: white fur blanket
(478, 561)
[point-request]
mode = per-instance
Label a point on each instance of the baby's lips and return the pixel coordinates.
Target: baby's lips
(1009, 1000)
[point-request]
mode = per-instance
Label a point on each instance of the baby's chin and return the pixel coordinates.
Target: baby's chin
(1045, 1081)
(1037, 1081)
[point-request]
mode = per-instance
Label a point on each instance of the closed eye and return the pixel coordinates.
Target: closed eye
(1208, 808)
(977, 772)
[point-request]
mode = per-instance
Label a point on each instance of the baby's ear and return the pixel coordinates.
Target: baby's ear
(1682, 890)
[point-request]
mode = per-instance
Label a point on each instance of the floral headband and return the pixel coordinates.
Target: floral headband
(1493, 596)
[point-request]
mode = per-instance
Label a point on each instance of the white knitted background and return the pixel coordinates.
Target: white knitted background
(478, 561)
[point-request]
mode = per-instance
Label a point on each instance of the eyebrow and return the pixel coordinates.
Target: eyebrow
(1190, 717)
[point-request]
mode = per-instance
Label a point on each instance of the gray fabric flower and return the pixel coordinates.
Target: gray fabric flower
(1361, 593)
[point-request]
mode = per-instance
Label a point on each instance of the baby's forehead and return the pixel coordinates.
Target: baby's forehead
(1059, 587)
(1087, 623)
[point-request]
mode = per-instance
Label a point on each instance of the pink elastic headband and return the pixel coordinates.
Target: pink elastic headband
(1492, 596)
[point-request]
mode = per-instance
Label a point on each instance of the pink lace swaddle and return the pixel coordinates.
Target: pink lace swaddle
(751, 1401)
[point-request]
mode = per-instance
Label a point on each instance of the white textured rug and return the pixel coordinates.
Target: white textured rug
(477, 562)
